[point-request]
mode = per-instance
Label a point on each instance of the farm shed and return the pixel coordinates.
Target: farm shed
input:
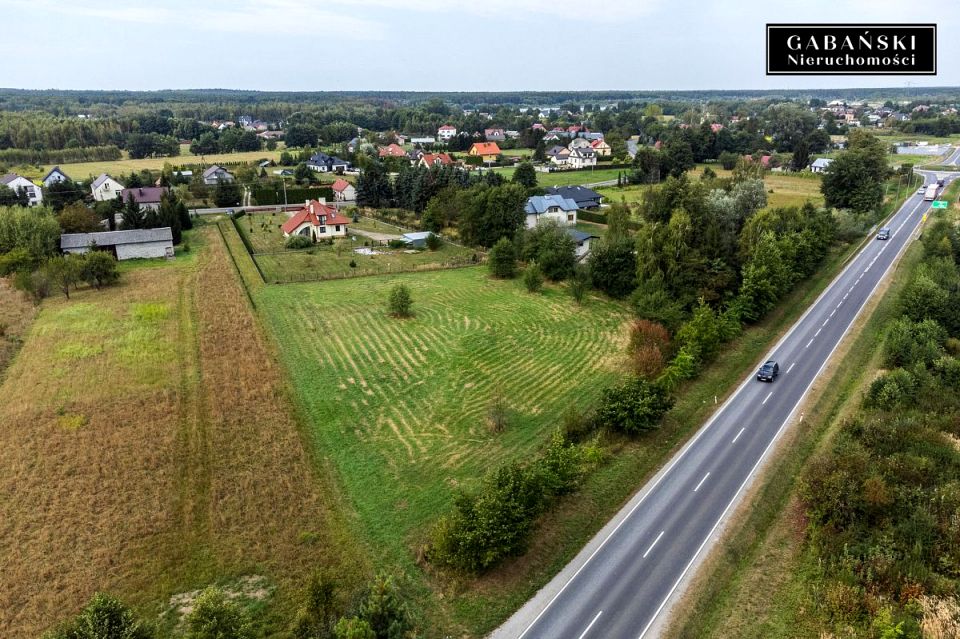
(418, 239)
(124, 245)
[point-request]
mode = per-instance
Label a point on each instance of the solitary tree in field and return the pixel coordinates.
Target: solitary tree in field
(533, 278)
(503, 259)
(400, 304)
(215, 616)
(64, 271)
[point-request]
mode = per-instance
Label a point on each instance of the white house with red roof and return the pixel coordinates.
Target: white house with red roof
(316, 220)
(435, 159)
(601, 148)
(446, 132)
(343, 190)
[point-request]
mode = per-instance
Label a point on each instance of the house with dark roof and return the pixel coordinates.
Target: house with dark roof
(581, 242)
(215, 174)
(582, 157)
(327, 163)
(148, 197)
(55, 176)
(123, 245)
(316, 220)
(584, 197)
(20, 184)
(554, 208)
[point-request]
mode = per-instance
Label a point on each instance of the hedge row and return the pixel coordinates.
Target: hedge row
(267, 195)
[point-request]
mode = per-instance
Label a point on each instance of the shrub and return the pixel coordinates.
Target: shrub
(19, 259)
(894, 389)
(648, 347)
(491, 525)
(533, 278)
(317, 615)
(35, 284)
(503, 259)
(64, 271)
(613, 267)
(353, 628)
(400, 304)
(579, 283)
(395, 244)
(105, 617)
(216, 617)
(910, 342)
(295, 242)
(99, 269)
(633, 407)
(948, 370)
(552, 248)
(434, 242)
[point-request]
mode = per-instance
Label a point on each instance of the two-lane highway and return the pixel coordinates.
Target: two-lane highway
(621, 582)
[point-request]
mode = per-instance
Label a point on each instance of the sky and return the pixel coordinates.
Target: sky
(432, 45)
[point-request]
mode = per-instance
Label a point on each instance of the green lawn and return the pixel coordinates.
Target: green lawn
(400, 406)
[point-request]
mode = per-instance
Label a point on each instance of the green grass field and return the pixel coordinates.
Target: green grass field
(325, 261)
(84, 170)
(400, 406)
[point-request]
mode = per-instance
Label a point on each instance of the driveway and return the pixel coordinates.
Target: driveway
(373, 235)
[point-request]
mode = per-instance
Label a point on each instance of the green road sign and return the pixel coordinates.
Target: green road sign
(939, 204)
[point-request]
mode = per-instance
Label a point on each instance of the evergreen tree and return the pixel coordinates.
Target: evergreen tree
(133, 217)
(525, 175)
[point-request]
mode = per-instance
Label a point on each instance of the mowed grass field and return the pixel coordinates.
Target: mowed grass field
(145, 453)
(401, 406)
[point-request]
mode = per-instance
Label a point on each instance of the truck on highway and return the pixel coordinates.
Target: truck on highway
(931, 193)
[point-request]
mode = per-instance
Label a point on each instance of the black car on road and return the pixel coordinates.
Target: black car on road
(768, 372)
(883, 234)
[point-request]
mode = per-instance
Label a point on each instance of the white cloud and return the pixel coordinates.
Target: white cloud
(546, 10)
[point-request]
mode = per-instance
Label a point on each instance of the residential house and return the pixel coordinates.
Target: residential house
(513, 135)
(148, 197)
(343, 190)
(123, 245)
(328, 163)
(316, 220)
(55, 176)
(391, 151)
(581, 158)
(537, 126)
(18, 183)
(488, 151)
(716, 127)
(820, 164)
(414, 156)
(558, 155)
(216, 174)
(435, 159)
(494, 135)
(354, 145)
(558, 209)
(423, 140)
(105, 188)
(581, 242)
(579, 143)
(446, 133)
(601, 148)
(585, 198)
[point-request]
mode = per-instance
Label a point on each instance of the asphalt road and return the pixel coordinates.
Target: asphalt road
(621, 583)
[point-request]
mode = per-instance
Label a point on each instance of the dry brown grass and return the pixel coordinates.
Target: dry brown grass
(941, 618)
(148, 449)
(16, 315)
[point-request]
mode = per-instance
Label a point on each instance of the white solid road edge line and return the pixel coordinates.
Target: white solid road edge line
(584, 633)
(653, 544)
(647, 490)
(776, 436)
